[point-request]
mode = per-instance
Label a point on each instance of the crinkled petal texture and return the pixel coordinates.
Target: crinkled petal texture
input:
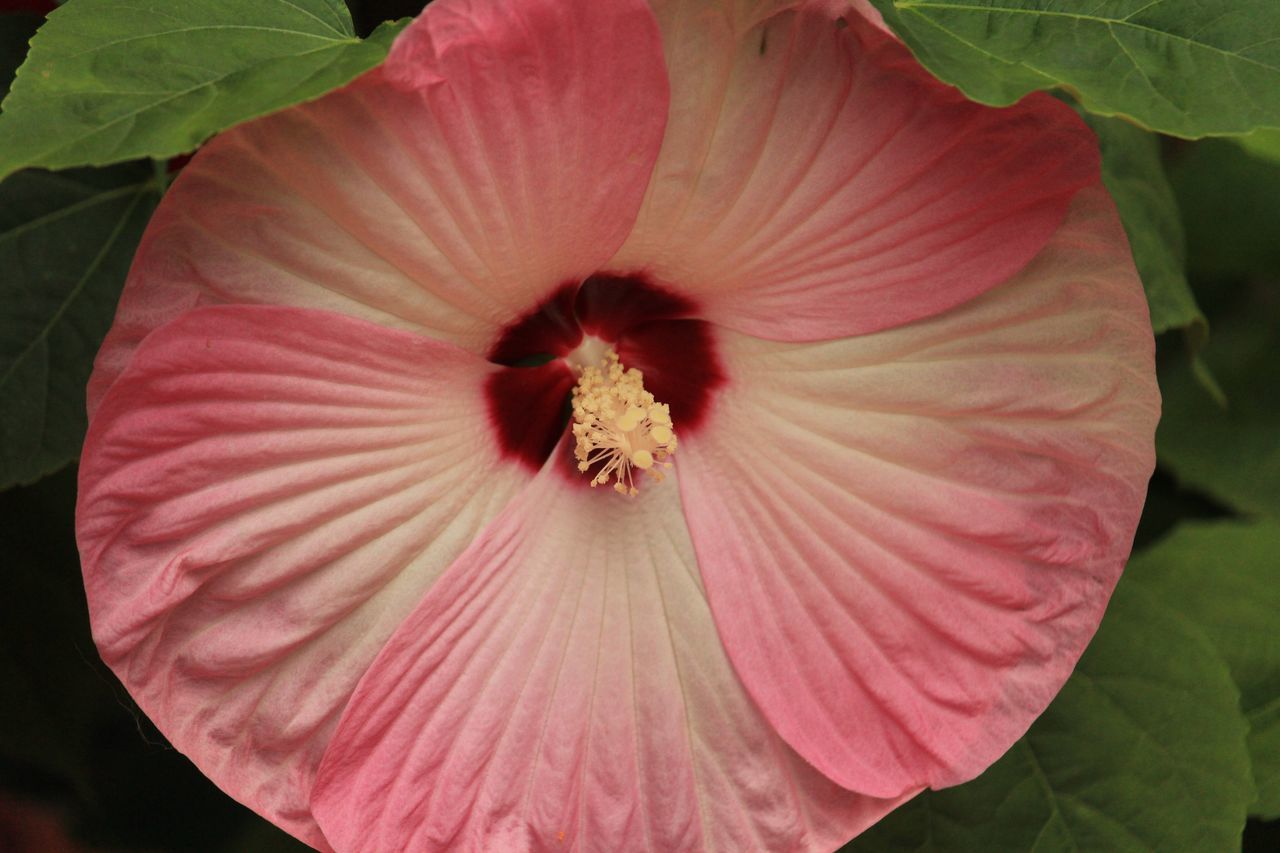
(265, 495)
(502, 150)
(815, 182)
(562, 687)
(908, 537)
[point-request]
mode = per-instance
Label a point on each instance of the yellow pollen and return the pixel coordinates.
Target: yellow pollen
(619, 426)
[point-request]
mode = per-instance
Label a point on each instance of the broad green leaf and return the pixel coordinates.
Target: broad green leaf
(1263, 143)
(1134, 175)
(1185, 68)
(1225, 578)
(107, 81)
(66, 241)
(1144, 749)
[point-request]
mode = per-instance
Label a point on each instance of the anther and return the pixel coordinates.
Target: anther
(619, 426)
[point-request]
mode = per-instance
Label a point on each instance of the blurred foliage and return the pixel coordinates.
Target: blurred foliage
(1229, 201)
(1227, 197)
(1133, 173)
(1221, 578)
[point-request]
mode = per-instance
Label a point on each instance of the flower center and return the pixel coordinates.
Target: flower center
(618, 426)
(562, 353)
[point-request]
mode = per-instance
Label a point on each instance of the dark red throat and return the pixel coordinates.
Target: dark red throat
(651, 328)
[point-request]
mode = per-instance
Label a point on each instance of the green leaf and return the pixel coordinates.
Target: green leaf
(1144, 749)
(108, 81)
(1263, 143)
(1233, 455)
(66, 241)
(1184, 68)
(1225, 578)
(1134, 175)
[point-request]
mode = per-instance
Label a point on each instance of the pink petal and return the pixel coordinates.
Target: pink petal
(815, 182)
(562, 687)
(265, 494)
(501, 151)
(871, 13)
(908, 537)
(741, 14)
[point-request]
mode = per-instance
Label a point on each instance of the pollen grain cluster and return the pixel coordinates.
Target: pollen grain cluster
(619, 426)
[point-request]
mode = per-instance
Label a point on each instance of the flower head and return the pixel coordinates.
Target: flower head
(869, 363)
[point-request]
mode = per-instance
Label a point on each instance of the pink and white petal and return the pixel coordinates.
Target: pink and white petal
(741, 14)
(871, 13)
(562, 687)
(502, 150)
(815, 182)
(908, 538)
(265, 494)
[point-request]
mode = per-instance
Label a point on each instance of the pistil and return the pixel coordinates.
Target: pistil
(619, 426)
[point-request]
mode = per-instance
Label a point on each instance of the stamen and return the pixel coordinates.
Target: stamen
(618, 425)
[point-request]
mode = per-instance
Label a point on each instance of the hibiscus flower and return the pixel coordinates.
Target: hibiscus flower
(869, 364)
